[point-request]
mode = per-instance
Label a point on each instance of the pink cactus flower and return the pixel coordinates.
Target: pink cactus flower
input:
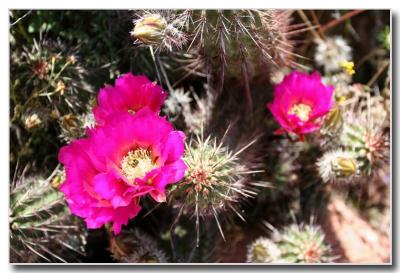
(300, 103)
(128, 157)
(130, 93)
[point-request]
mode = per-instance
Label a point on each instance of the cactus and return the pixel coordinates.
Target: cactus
(134, 246)
(219, 44)
(179, 108)
(47, 80)
(41, 227)
(217, 68)
(297, 243)
(56, 78)
(215, 180)
(357, 128)
(263, 250)
(367, 141)
(160, 29)
(304, 244)
(220, 32)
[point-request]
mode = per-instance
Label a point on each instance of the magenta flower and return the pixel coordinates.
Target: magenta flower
(128, 157)
(130, 93)
(300, 102)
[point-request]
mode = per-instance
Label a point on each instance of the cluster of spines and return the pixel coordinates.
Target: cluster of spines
(135, 246)
(354, 140)
(294, 244)
(41, 227)
(215, 181)
(222, 43)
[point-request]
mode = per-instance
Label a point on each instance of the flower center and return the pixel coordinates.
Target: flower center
(311, 254)
(302, 111)
(137, 163)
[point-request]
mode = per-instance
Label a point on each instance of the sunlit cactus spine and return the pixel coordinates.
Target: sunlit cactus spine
(263, 250)
(304, 244)
(215, 181)
(134, 246)
(41, 226)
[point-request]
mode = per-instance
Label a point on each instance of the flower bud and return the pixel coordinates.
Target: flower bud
(344, 166)
(338, 165)
(150, 29)
(263, 250)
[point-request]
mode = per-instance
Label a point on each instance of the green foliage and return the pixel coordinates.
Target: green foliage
(384, 37)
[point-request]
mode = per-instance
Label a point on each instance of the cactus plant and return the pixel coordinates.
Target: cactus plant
(41, 227)
(134, 246)
(304, 244)
(215, 180)
(263, 250)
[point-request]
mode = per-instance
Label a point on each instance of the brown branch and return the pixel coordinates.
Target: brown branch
(317, 23)
(341, 19)
(378, 73)
(310, 26)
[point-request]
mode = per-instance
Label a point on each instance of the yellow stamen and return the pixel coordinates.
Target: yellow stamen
(302, 111)
(348, 67)
(137, 163)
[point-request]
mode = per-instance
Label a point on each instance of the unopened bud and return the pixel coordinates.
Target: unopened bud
(344, 167)
(338, 165)
(150, 29)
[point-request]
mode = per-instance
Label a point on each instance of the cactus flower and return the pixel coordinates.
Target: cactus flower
(300, 102)
(130, 156)
(130, 94)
